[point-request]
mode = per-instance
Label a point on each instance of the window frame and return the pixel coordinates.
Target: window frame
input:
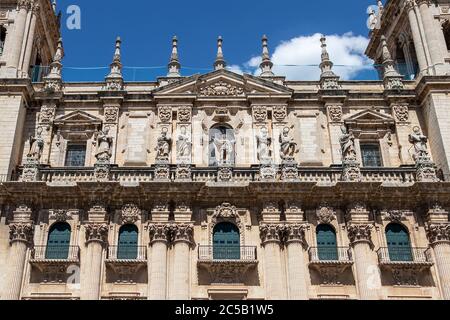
(71, 144)
(363, 144)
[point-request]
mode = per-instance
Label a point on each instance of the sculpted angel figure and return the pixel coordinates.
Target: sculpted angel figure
(163, 145)
(288, 145)
(347, 141)
(264, 143)
(419, 141)
(104, 145)
(36, 145)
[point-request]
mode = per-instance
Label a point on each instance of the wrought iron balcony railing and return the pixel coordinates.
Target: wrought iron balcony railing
(126, 253)
(239, 175)
(407, 255)
(55, 253)
(227, 253)
(330, 255)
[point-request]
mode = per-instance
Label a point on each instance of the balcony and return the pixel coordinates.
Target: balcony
(330, 263)
(126, 262)
(227, 264)
(405, 256)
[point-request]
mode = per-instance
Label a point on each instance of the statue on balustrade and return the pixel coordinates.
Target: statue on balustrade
(104, 146)
(36, 146)
(288, 145)
(347, 141)
(224, 149)
(419, 141)
(264, 143)
(184, 144)
(163, 146)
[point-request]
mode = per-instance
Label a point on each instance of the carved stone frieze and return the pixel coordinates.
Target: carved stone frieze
(221, 88)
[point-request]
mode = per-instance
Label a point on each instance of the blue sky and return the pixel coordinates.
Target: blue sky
(146, 28)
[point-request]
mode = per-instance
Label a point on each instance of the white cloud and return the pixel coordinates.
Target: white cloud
(346, 51)
(235, 68)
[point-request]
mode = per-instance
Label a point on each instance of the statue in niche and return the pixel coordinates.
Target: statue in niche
(104, 145)
(419, 140)
(264, 142)
(36, 146)
(287, 145)
(224, 149)
(347, 141)
(163, 146)
(184, 145)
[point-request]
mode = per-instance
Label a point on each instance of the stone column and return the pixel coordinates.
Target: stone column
(417, 38)
(367, 273)
(159, 237)
(18, 35)
(29, 44)
(270, 238)
(20, 236)
(295, 240)
(433, 44)
(96, 232)
(182, 236)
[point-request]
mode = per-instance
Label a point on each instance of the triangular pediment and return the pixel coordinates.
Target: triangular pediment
(223, 83)
(369, 117)
(78, 117)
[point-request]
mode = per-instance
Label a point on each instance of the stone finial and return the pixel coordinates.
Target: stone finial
(266, 64)
(392, 79)
(53, 81)
(220, 61)
(174, 63)
(328, 79)
(54, 6)
(114, 80)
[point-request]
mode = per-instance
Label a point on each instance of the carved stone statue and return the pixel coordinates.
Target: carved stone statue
(347, 141)
(288, 145)
(104, 145)
(163, 146)
(184, 144)
(224, 149)
(419, 140)
(264, 143)
(36, 145)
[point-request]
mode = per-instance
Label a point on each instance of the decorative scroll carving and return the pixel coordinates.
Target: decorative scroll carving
(60, 215)
(165, 114)
(111, 114)
(394, 215)
(401, 113)
(225, 174)
(221, 88)
(438, 232)
(325, 214)
(183, 172)
(260, 113)
(130, 213)
(47, 114)
(184, 114)
(335, 113)
(280, 113)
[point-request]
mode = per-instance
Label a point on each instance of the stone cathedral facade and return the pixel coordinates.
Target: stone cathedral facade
(226, 186)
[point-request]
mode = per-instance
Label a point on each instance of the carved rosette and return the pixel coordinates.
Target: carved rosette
(401, 113)
(184, 114)
(260, 113)
(159, 233)
(359, 233)
(325, 214)
(21, 232)
(130, 213)
(111, 114)
(182, 233)
(270, 233)
(165, 114)
(96, 232)
(280, 113)
(335, 113)
(438, 233)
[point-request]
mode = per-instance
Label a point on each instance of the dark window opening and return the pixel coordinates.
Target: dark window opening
(371, 155)
(58, 241)
(326, 242)
(399, 246)
(75, 155)
(2, 39)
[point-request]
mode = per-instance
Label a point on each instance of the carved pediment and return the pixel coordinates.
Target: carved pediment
(369, 118)
(223, 84)
(78, 117)
(78, 125)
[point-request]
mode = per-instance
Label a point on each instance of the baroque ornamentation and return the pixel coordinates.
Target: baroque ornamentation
(221, 88)
(159, 232)
(102, 170)
(182, 232)
(260, 113)
(351, 171)
(111, 114)
(325, 214)
(184, 114)
(335, 113)
(288, 146)
(36, 146)
(406, 276)
(183, 172)
(163, 147)
(268, 172)
(60, 215)
(47, 114)
(359, 233)
(165, 114)
(280, 113)
(30, 171)
(162, 172)
(289, 171)
(96, 232)
(394, 215)
(130, 213)
(438, 232)
(294, 233)
(270, 232)
(114, 84)
(401, 113)
(264, 143)
(21, 231)
(225, 174)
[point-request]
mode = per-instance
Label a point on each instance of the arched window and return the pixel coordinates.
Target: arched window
(399, 246)
(128, 242)
(2, 39)
(226, 242)
(326, 242)
(58, 241)
(221, 146)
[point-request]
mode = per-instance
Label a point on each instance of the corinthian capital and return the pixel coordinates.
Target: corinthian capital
(359, 233)
(182, 233)
(438, 233)
(22, 232)
(35, 7)
(159, 232)
(24, 4)
(270, 233)
(96, 232)
(294, 233)
(409, 4)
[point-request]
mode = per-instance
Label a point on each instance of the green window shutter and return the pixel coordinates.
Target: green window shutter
(128, 242)
(226, 242)
(326, 242)
(58, 242)
(399, 246)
